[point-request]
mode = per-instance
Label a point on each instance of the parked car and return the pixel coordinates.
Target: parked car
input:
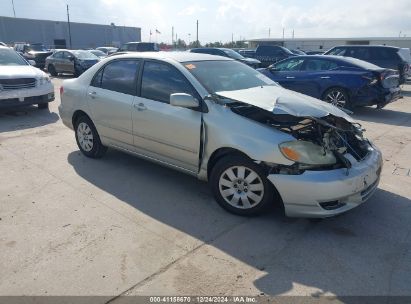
(22, 84)
(220, 120)
(228, 53)
(384, 56)
(33, 51)
(298, 52)
(343, 82)
(139, 47)
(98, 53)
(108, 50)
(70, 61)
(268, 54)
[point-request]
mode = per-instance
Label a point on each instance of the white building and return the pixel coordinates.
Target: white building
(324, 44)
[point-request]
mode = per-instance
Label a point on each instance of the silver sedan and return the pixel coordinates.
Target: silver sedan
(255, 142)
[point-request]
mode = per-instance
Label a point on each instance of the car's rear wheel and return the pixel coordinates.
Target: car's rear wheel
(240, 186)
(88, 139)
(337, 97)
(43, 106)
(52, 70)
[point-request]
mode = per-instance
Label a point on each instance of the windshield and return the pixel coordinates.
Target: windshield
(84, 55)
(218, 76)
(233, 54)
(36, 48)
(10, 57)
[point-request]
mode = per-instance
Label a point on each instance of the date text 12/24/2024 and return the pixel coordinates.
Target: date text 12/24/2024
(203, 299)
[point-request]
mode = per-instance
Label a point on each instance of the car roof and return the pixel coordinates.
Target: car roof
(176, 56)
(368, 46)
(353, 61)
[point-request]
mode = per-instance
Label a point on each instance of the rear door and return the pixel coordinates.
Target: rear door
(111, 95)
(317, 75)
(67, 65)
(160, 130)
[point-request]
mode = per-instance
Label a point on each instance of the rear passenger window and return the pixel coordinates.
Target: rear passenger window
(119, 76)
(161, 80)
(319, 65)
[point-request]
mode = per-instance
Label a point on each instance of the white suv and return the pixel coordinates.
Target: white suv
(22, 84)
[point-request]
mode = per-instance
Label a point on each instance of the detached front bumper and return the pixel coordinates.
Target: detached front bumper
(331, 192)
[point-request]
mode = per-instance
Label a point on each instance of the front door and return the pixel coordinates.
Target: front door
(162, 131)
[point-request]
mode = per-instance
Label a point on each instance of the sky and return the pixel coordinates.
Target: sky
(219, 20)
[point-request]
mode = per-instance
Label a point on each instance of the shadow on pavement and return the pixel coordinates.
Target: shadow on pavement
(363, 252)
(385, 116)
(27, 117)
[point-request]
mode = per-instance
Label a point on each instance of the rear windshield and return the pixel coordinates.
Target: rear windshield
(218, 76)
(10, 57)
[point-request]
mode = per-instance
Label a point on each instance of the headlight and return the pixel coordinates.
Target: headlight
(44, 80)
(306, 152)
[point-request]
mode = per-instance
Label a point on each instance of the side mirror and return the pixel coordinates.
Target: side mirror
(183, 100)
(273, 69)
(32, 62)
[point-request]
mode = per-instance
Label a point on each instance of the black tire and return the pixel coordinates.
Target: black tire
(230, 162)
(97, 149)
(336, 91)
(52, 70)
(43, 106)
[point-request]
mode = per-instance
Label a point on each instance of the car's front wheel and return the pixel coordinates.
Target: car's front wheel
(240, 186)
(88, 139)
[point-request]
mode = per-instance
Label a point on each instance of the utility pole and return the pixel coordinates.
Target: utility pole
(172, 36)
(269, 32)
(293, 33)
(283, 33)
(197, 44)
(69, 28)
(14, 11)
(232, 38)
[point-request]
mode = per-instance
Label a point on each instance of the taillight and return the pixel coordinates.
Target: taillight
(61, 91)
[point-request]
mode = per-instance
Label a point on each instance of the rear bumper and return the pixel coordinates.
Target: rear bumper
(369, 96)
(328, 193)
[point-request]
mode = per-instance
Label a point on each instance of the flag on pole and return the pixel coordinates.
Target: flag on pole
(151, 33)
(157, 31)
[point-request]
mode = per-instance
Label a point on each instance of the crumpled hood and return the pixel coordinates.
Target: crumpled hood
(20, 71)
(278, 100)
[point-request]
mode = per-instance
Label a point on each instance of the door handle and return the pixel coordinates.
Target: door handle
(290, 77)
(92, 94)
(140, 106)
(325, 77)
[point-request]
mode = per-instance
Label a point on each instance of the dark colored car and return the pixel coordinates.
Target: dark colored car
(254, 63)
(139, 47)
(268, 54)
(70, 61)
(344, 82)
(33, 51)
(384, 56)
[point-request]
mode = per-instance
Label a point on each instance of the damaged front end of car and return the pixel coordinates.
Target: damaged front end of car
(324, 143)
(333, 167)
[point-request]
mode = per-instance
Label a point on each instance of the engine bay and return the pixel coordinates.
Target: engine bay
(332, 133)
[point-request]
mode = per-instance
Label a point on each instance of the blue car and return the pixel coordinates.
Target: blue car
(343, 81)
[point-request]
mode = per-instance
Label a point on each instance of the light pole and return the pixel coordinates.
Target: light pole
(14, 11)
(189, 38)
